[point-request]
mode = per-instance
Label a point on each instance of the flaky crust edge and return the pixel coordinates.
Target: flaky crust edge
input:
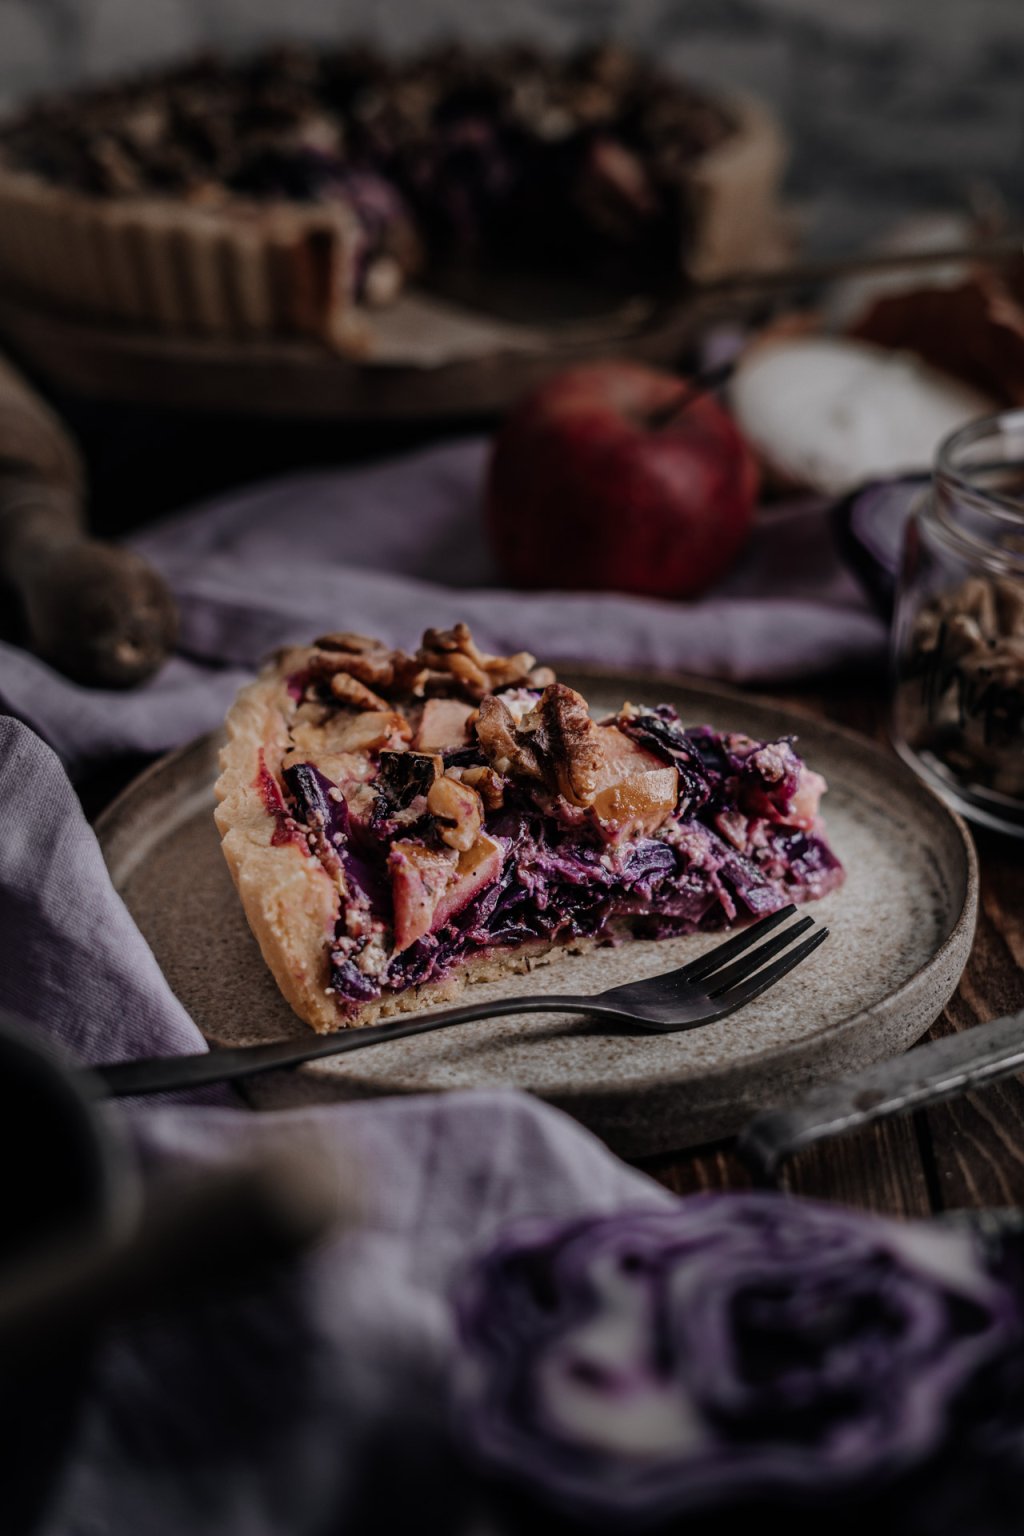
(240, 271)
(290, 901)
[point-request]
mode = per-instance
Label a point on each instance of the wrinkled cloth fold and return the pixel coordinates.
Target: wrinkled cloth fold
(318, 1402)
(321, 1404)
(394, 548)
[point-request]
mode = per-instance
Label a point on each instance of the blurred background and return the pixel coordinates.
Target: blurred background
(888, 109)
(886, 101)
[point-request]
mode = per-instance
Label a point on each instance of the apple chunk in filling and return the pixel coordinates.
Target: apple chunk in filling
(634, 791)
(428, 887)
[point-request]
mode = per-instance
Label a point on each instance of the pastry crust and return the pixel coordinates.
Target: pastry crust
(234, 273)
(491, 966)
(290, 901)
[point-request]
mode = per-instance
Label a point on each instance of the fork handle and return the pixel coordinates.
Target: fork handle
(928, 1074)
(163, 1074)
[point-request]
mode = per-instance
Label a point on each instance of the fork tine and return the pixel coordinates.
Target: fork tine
(721, 981)
(755, 985)
(712, 959)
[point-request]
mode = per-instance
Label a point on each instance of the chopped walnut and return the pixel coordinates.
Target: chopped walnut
(1010, 608)
(556, 741)
(1003, 662)
(964, 635)
(368, 661)
(961, 690)
(562, 723)
(349, 690)
(508, 751)
(978, 602)
(355, 645)
(447, 662)
(979, 611)
(451, 655)
(459, 812)
(488, 785)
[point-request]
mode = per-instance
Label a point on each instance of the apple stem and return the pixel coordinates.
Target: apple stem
(703, 384)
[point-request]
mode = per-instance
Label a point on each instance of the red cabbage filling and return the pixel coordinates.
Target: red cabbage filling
(560, 882)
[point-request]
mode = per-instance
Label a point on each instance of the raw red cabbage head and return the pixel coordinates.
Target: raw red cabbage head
(632, 1369)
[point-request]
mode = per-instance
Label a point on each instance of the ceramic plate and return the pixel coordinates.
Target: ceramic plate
(901, 931)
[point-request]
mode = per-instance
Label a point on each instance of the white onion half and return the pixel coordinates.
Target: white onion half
(826, 413)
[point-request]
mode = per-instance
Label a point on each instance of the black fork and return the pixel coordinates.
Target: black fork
(720, 981)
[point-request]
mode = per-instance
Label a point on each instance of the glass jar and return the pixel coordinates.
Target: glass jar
(958, 638)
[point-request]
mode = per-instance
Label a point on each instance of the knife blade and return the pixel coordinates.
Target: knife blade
(927, 1074)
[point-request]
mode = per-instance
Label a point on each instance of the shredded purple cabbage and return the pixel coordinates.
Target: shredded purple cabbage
(556, 887)
(326, 815)
(734, 1350)
(560, 882)
(323, 810)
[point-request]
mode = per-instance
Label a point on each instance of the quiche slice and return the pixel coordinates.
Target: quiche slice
(399, 825)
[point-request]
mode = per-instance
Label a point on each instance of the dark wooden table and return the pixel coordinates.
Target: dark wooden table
(966, 1153)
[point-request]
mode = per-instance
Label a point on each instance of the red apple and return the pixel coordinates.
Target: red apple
(594, 483)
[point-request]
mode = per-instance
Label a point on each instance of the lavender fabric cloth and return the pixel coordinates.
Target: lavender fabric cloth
(320, 1406)
(394, 548)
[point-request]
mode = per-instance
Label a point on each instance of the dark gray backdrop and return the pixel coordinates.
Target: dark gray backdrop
(890, 102)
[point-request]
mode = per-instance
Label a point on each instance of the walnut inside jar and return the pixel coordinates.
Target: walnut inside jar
(963, 682)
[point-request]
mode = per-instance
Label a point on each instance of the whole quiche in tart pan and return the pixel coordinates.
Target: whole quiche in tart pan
(297, 192)
(398, 825)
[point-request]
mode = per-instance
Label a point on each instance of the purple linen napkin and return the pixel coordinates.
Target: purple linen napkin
(397, 547)
(320, 1405)
(307, 1407)
(74, 965)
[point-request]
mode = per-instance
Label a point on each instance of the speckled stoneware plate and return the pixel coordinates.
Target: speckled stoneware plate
(901, 926)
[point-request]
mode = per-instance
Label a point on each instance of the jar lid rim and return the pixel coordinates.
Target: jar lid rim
(956, 476)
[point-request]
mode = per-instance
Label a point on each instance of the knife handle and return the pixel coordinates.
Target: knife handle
(926, 1075)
